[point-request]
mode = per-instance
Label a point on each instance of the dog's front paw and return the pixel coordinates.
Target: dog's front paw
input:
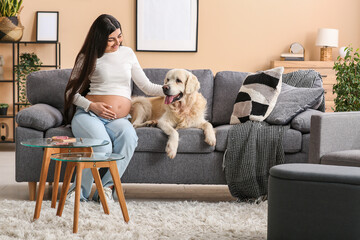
(211, 140)
(171, 149)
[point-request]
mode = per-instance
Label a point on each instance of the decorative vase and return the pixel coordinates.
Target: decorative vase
(3, 111)
(11, 29)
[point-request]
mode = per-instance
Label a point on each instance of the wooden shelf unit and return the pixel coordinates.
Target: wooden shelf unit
(325, 68)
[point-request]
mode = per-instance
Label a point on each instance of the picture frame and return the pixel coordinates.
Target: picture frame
(47, 26)
(167, 25)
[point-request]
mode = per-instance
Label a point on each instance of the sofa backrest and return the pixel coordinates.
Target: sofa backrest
(226, 88)
(205, 77)
(48, 87)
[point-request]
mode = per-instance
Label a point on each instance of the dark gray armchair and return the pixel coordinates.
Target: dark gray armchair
(335, 139)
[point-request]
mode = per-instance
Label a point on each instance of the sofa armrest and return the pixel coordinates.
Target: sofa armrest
(332, 132)
(40, 117)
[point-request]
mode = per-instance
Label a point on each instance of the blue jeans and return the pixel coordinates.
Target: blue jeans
(119, 132)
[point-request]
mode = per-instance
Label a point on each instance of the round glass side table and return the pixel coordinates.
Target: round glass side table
(52, 147)
(93, 161)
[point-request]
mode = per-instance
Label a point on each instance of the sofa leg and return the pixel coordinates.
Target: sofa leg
(32, 190)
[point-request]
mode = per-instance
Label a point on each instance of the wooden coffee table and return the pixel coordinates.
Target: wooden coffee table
(93, 161)
(51, 147)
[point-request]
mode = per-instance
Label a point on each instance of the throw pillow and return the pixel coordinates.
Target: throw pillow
(257, 96)
(308, 78)
(293, 101)
(39, 116)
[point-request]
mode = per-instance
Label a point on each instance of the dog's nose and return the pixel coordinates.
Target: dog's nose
(165, 88)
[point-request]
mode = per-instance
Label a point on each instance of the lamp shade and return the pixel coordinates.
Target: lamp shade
(327, 37)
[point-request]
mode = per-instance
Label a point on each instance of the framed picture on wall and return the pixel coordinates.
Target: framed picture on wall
(167, 25)
(47, 26)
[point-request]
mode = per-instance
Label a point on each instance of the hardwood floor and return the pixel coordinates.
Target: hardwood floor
(10, 189)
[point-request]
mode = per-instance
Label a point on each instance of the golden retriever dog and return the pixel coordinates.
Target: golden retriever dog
(182, 107)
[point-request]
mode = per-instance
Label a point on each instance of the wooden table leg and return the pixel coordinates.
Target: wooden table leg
(79, 168)
(70, 166)
(32, 191)
(117, 183)
(42, 182)
(56, 184)
(58, 170)
(100, 189)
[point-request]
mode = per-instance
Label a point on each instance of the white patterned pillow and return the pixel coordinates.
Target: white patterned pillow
(257, 96)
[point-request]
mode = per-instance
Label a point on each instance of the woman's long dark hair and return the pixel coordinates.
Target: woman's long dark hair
(93, 48)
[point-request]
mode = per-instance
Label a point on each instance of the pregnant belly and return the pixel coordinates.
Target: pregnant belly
(120, 105)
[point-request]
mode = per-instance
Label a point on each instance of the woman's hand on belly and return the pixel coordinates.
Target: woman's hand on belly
(102, 110)
(109, 106)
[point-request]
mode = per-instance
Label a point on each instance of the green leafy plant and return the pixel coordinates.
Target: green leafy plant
(4, 105)
(10, 8)
(347, 87)
(29, 62)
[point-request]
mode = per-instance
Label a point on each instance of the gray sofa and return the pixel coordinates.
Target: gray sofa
(195, 163)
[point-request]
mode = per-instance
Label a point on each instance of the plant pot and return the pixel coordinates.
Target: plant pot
(3, 111)
(11, 29)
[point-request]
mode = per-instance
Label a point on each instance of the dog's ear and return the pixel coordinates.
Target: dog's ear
(192, 84)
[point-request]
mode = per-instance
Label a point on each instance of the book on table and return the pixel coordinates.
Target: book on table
(63, 139)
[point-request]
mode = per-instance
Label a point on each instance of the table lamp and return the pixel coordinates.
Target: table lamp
(327, 38)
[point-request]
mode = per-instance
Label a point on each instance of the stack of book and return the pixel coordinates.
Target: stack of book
(292, 56)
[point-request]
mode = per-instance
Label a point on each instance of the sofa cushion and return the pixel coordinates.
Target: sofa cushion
(40, 117)
(191, 140)
(226, 88)
(293, 101)
(48, 87)
(257, 96)
(342, 158)
(302, 121)
(205, 77)
(292, 141)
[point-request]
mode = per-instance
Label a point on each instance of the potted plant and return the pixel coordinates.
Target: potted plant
(3, 108)
(11, 29)
(29, 62)
(347, 87)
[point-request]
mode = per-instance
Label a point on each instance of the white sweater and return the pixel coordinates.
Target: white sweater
(112, 76)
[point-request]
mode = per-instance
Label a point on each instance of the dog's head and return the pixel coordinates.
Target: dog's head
(177, 83)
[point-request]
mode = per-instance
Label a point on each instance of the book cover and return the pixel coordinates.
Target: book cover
(63, 139)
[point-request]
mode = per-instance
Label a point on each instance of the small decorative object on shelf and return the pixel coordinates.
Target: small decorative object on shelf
(327, 39)
(296, 53)
(29, 62)
(347, 81)
(47, 26)
(3, 108)
(342, 52)
(2, 63)
(11, 29)
(4, 131)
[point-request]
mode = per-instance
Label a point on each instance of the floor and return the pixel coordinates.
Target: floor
(10, 189)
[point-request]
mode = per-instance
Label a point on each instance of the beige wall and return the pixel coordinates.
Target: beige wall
(240, 35)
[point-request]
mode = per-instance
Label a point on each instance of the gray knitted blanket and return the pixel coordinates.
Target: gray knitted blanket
(252, 149)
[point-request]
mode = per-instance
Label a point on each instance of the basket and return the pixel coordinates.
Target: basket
(11, 29)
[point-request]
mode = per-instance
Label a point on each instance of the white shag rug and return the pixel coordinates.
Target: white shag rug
(148, 220)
